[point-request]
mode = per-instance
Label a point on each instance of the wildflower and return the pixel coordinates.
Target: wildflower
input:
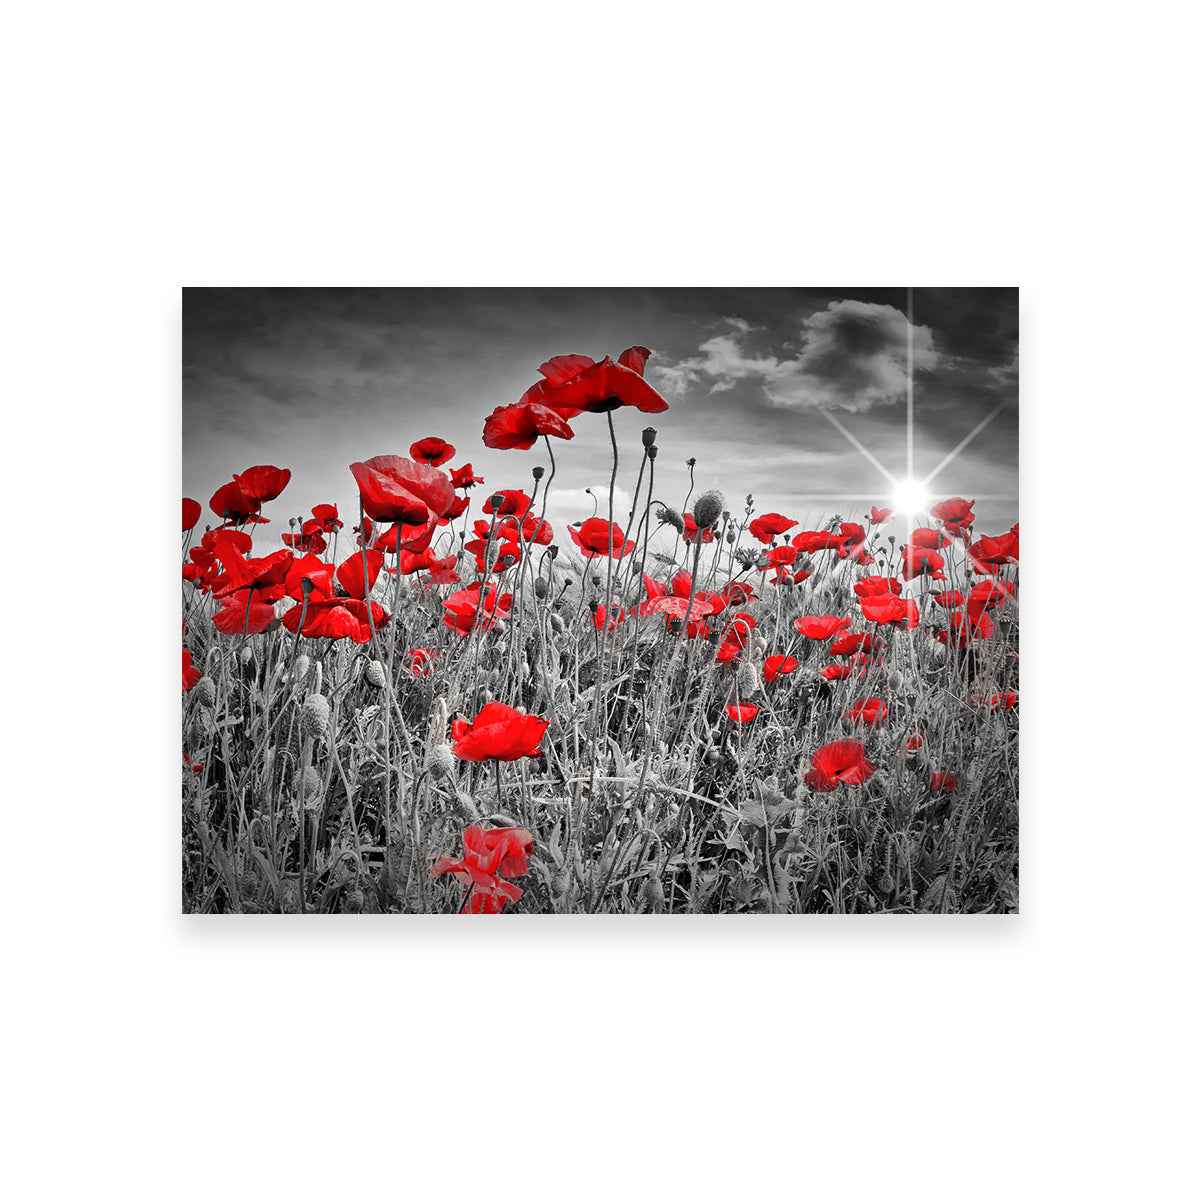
(518, 426)
(929, 539)
(691, 530)
(575, 383)
(500, 733)
(963, 629)
(327, 516)
(942, 781)
(431, 450)
(771, 525)
(741, 712)
(890, 610)
(465, 477)
(820, 628)
(879, 515)
(877, 585)
(999, 700)
(842, 761)
(988, 553)
(397, 489)
(854, 643)
(919, 560)
(853, 543)
(241, 613)
(310, 538)
(812, 540)
(947, 598)
(490, 859)
(473, 605)
(191, 513)
(986, 595)
(191, 676)
(955, 514)
(508, 502)
(231, 504)
(594, 538)
(420, 660)
(334, 618)
(836, 671)
(776, 665)
(867, 712)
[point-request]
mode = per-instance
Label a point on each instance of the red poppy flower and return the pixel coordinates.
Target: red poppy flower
(691, 530)
(231, 504)
(263, 575)
(310, 538)
(853, 539)
(335, 618)
(879, 515)
(595, 539)
(466, 608)
(191, 513)
(918, 560)
(854, 643)
(737, 635)
(411, 563)
(518, 426)
(533, 531)
(458, 506)
(999, 700)
(327, 514)
(836, 671)
(776, 665)
(842, 761)
(191, 676)
(465, 477)
(674, 606)
(262, 484)
(955, 514)
(820, 628)
(240, 612)
(986, 595)
(431, 450)
(741, 712)
(364, 531)
(738, 592)
(771, 525)
(867, 712)
(779, 557)
(943, 781)
(877, 585)
(350, 573)
(490, 858)
(812, 540)
(313, 568)
(578, 383)
(601, 616)
(420, 660)
(499, 732)
(890, 610)
(398, 489)
(963, 629)
(988, 553)
(514, 503)
(948, 598)
(929, 539)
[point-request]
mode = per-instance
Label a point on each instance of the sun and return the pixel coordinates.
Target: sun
(910, 496)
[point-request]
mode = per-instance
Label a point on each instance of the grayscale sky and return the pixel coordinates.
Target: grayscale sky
(315, 379)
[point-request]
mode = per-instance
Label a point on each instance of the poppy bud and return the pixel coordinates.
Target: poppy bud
(540, 589)
(441, 761)
(374, 673)
(708, 510)
(593, 605)
(538, 472)
(292, 522)
(652, 453)
(552, 551)
(246, 656)
(652, 893)
(315, 716)
(675, 624)
(729, 536)
(206, 691)
(301, 668)
(750, 499)
(355, 900)
(670, 516)
(556, 623)
(596, 580)
(648, 436)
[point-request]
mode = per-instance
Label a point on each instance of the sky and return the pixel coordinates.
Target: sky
(769, 390)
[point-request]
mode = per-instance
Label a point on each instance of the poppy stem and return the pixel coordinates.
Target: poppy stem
(375, 650)
(499, 806)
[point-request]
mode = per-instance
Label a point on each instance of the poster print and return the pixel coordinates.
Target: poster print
(638, 601)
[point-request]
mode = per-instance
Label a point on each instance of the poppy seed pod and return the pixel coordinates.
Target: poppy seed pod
(538, 472)
(306, 584)
(315, 716)
(670, 516)
(691, 462)
(497, 500)
(708, 510)
(648, 436)
(652, 452)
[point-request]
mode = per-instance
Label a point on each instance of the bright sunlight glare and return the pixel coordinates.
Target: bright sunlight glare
(910, 496)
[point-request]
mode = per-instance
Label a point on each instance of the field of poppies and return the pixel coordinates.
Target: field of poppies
(689, 707)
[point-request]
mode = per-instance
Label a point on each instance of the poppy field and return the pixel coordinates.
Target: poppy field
(439, 703)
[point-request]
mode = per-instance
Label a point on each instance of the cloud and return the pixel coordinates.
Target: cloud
(853, 356)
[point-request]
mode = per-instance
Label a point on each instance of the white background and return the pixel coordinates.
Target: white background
(1043, 145)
